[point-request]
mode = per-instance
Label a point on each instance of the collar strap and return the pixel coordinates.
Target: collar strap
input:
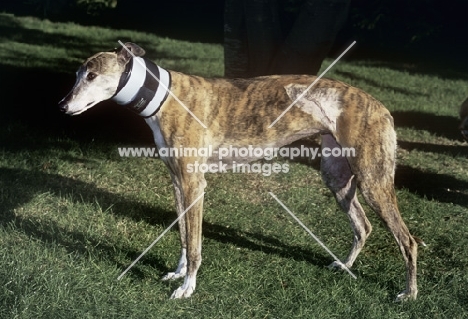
(139, 91)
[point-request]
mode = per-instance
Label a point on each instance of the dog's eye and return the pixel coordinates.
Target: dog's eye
(91, 76)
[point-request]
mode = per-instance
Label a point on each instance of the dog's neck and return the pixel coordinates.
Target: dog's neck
(143, 87)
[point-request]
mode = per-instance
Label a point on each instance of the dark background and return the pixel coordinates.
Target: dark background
(401, 25)
(429, 35)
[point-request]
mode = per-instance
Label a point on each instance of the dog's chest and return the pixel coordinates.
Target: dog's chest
(153, 123)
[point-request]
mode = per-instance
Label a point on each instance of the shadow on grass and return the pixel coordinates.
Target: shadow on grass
(28, 184)
(11, 30)
(442, 188)
(422, 61)
(444, 126)
(259, 242)
(432, 67)
(452, 150)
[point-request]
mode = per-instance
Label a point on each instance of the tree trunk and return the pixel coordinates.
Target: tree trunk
(257, 44)
(311, 37)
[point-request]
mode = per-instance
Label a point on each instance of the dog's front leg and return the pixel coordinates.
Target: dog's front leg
(182, 266)
(192, 187)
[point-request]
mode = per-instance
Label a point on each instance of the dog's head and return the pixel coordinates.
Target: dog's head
(464, 118)
(98, 78)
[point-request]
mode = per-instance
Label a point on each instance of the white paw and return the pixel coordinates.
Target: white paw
(404, 295)
(187, 289)
(175, 275)
(182, 292)
(181, 268)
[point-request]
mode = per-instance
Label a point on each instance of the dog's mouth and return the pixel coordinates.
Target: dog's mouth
(88, 106)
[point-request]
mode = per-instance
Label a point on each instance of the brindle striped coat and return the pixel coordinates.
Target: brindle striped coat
(238, 113)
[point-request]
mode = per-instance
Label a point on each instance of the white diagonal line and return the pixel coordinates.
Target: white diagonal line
(313, 83)
(164, 86)
(313, 236)
(160, 236)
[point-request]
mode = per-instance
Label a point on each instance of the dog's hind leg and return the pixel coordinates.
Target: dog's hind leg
(374, 166)
(337, 175)
(380, 195)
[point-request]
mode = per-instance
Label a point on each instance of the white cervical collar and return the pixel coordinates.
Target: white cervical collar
(139, 90)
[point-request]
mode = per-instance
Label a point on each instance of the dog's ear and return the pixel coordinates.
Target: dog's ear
(125, 56)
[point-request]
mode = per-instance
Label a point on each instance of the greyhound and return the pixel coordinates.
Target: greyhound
(237, 112)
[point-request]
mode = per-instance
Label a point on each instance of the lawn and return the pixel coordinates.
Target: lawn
(74, 214)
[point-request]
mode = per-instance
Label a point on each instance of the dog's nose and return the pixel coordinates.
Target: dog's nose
(63, 106)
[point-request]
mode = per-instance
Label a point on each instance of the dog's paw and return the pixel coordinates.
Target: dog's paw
(175, 275)
(180, 293)
(181, 268)
(187, 289)
(183, 292)
(405, 295)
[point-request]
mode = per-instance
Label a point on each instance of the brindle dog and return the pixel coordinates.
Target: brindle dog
(237, 113)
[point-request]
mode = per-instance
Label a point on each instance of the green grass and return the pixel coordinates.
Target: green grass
(74, 214)
(32, 43)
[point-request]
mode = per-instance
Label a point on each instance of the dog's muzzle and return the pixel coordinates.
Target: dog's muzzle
(143, 87)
